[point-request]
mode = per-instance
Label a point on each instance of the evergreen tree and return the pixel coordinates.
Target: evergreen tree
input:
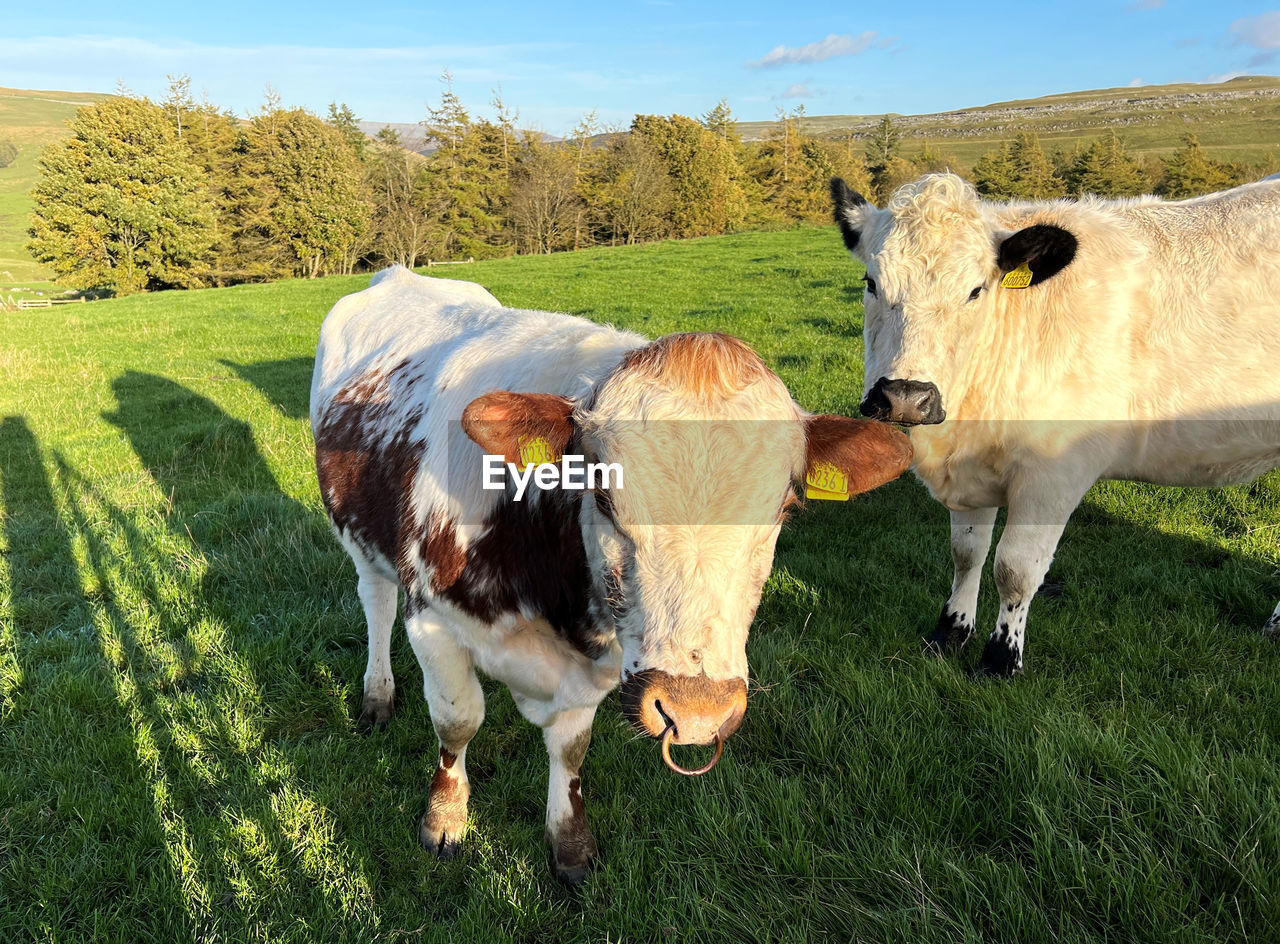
(120, 204)
(1106, 170)
(1019, 170)
(345, 120)
(1189, 172)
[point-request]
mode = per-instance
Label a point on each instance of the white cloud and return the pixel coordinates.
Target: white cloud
(797, 90)
(1260, 32)
(1135, 83)
(1225, 76)
(832, 47)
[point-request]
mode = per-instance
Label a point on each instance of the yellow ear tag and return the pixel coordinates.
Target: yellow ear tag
(826, 483)
(1017, 278)
(536, 450)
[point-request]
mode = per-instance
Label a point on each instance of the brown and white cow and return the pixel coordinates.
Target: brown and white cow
(560, 594)
(1038, 347)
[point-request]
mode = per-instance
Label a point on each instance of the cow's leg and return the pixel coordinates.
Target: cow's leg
(1038, 511)
(970, 544)
(572, 846)
(1272, 627)
(378, 596)
(456, 704)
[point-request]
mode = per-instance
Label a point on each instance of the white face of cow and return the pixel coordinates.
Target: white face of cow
(934, 264)
(710, 443)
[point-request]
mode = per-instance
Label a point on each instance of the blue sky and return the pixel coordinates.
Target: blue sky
(554, 62)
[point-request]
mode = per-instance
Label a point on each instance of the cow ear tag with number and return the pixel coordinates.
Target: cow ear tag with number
(1017, 278)
(826, 483)
(536, 450)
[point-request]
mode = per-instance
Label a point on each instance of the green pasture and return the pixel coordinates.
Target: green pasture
(181, 651)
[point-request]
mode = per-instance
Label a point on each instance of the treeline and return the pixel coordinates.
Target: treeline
(147, 195)
(1022, 170)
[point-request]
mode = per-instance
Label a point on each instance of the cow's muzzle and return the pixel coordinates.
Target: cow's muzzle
(684, 709)
(909, 402)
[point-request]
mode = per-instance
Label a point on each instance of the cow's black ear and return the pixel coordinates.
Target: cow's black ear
(851, 209)
(1045, 250)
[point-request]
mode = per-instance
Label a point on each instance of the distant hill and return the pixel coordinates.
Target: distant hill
(31, 119)
(1237, 120)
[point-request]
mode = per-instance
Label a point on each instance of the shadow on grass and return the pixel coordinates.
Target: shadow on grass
(286, 383)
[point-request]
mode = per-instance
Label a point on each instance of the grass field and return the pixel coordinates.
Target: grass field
(181, 652)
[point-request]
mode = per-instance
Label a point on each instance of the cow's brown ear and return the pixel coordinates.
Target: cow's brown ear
(505, 423)
(848, 456)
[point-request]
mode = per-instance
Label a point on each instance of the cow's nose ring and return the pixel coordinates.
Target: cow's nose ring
(668, 734)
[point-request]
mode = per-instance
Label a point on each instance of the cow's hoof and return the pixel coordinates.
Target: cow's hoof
(573, 854)
(440, 839)
(1272, 627)
(375, 713)
(999, 660)
(949, 636)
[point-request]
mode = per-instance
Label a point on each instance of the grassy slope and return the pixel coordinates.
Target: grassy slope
(1236, 121)
(31, 119)
(181, 651)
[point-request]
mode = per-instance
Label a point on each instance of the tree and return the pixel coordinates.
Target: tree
(1019, 169)
(402, 224)
(1189, 172)
(544, 203)
(630, 195)
(705, 176)
(466, 175)
(120, 204)
(178, 102)
(321, 211)
(345, 120)
(1104, 168)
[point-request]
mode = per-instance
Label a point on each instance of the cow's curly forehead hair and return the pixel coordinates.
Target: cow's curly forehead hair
(937, 231)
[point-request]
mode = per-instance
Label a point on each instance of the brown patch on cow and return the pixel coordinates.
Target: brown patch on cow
(704, 363)
(868, 452)
(500, 421)
(447, 758)
(366, 469)
(445, 820)
(573, 753)
(437, 547)
(1009, 581)
(530, 558)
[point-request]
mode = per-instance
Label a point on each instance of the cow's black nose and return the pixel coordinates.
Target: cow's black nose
(910, 402)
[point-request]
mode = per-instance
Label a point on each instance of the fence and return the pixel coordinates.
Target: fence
(22, 304)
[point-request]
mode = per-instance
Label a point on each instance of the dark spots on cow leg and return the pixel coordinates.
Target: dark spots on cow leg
(951, 633)
(445, 821)
(573, 848)
(1272, 626)
(1001, 657)
(375, 712)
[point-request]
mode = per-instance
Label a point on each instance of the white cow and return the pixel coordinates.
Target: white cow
(1039, 347)
(558, 595)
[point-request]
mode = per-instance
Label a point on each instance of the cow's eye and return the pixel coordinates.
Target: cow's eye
(975, 293)
(871, 286)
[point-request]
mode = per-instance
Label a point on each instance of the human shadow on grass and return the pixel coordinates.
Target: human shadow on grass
(286, 382)
(175, 637)
(67, 785)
